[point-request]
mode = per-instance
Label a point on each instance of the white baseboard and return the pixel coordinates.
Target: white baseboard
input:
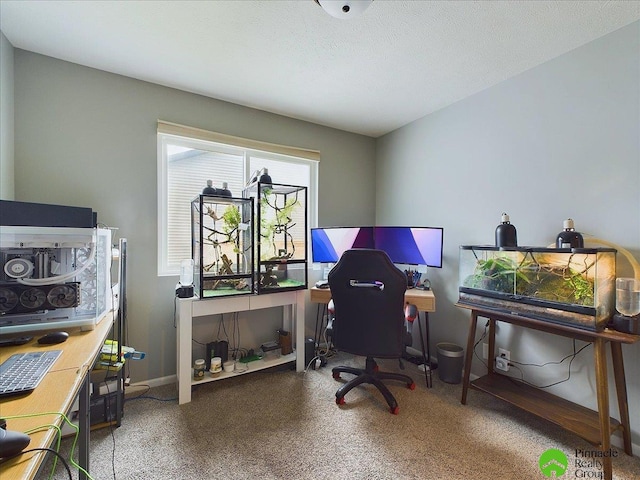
(155, 382)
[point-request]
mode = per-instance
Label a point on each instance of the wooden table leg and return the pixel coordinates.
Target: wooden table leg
(469, 356)
(491, 353)
(602, 390)
(621, 390)
(84, 421)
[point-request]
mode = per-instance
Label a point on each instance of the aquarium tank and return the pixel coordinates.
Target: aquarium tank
(222, 249)
(571, 286)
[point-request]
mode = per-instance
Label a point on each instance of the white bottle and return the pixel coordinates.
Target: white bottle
(186, 272)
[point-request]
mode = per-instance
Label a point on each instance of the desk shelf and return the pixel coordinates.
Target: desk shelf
(254, 366)
(580, 420)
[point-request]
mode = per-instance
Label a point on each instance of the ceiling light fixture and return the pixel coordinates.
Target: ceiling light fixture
(344, 8)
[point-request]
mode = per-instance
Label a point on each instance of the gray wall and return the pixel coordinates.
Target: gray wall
(6, 119)
(88, 138)
(559, 141)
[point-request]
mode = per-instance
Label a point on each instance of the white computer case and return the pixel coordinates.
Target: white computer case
(54, 277)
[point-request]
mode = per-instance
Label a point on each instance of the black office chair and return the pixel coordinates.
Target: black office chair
(368, 296)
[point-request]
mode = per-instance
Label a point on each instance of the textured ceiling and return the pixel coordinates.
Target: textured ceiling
(397, 62)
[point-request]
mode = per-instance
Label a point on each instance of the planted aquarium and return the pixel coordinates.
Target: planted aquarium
(222, 235)
(568, 286)
(280, 236)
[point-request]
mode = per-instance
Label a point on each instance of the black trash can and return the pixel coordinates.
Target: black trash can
(450, 362)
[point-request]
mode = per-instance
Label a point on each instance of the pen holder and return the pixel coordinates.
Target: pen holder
(413, 277)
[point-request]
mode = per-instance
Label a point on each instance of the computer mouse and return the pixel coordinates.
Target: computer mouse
(12, 443)
(53, 338)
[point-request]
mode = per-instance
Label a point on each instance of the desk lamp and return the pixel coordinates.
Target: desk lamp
(264, 176)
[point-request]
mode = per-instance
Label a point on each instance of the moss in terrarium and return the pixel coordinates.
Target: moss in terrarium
(231, 221)
(553, 283)
(495, 274)
(559, 284)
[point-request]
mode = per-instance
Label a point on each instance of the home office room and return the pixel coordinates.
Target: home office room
(366, 239)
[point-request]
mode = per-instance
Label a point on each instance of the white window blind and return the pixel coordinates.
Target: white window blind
(188, 160)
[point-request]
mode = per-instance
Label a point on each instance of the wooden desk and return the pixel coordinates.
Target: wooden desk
(424, 300)
(67, 379)
(594, 427)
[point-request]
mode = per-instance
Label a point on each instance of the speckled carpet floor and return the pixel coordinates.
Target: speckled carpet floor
(286, 425)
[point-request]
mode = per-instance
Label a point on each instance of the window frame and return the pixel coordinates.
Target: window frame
(163, 139)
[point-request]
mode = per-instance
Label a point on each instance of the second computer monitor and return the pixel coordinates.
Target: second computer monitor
(404, 245)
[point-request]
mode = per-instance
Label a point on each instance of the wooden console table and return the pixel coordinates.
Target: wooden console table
(594, 427)
(189, 308)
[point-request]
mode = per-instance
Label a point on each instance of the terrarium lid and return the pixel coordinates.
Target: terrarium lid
(568, 224)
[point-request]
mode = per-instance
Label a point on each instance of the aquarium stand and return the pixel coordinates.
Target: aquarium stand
(596, 427)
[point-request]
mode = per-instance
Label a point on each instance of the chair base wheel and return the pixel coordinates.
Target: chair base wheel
(371, 375)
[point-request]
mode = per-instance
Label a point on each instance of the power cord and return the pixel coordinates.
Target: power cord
(321, 357)
(49, 450)
(144, 396)
(73, 445)
(482, 337)
(516, 365)
(58, 441)
(572, 356)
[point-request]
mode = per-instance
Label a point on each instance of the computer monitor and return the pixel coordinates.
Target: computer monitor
(329, 243)
(404, 245)
(411, 245)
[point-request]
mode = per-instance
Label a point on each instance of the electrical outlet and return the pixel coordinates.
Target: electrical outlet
(485, 351)
(502, 364)
(506, 354)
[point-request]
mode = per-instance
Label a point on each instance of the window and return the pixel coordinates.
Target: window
(188, 157)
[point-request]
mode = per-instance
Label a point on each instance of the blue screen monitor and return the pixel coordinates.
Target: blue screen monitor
(404, 245)
(328, 244)
(411, 245)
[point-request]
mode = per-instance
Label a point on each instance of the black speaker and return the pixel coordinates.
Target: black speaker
(309, 350)
(217, 349)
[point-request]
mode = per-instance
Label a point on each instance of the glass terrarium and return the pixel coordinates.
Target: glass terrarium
(568, 286)
(222, 235)
(280, 242)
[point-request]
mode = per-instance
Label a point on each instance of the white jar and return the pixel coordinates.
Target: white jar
(216, 365)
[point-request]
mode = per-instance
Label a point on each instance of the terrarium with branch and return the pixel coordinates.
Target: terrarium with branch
(222, 236)
(280, 242)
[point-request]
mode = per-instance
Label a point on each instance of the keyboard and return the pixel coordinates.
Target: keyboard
(22, 372)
